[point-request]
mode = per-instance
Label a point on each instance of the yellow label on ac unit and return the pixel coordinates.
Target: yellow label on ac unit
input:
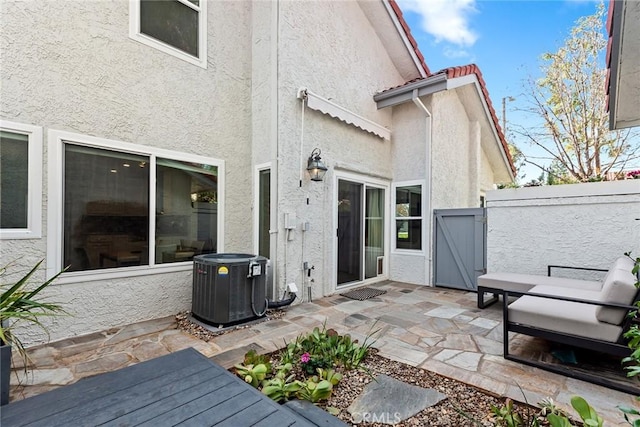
(223, 270)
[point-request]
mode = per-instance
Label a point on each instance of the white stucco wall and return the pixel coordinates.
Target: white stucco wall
(346, 64)
(69, 65)
(452, 177)
(585, 225)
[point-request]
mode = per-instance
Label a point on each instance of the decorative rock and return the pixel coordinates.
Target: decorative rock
(390, 401)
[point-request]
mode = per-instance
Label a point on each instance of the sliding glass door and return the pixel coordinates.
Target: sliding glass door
(361, 231)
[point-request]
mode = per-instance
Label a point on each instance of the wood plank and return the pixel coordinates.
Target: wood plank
(170, 403)
(254, 413)
(218, 413)
(35, 408)
(113, 405)
(275, 419)
(212, 399)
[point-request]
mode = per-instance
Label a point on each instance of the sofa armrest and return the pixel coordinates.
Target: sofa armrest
(549, 267)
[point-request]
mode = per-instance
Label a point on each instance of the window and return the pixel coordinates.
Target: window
(20, 181)
(176, 27)
(264, 212)
(409, 217)
(126, 206)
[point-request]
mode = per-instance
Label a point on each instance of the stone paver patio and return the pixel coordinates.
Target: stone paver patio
(436, 329)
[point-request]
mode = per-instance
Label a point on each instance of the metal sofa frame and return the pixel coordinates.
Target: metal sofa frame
(618, 348)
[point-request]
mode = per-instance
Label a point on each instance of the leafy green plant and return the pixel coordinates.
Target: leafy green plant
(19, 304)
(630, 411)
(315, 390)
(251, 374)
(508, 416)
(330, 375)
(253, 358)
(281, 389)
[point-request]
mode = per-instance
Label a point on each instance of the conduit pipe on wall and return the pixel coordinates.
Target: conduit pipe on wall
(428, 176)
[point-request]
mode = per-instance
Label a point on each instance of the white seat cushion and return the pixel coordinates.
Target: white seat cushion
(562, 316)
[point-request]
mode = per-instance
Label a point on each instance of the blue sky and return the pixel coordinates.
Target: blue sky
(504, 38)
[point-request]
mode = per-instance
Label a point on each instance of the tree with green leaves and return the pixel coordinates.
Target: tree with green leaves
(570, 101)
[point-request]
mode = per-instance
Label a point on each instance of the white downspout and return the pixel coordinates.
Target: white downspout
(428, 176)
(275, 148)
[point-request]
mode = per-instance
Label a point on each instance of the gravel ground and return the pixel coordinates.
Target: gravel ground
(461, 398)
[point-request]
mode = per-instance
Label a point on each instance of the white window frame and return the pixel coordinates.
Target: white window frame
(395, 218)
(34, 185)
(135, 34)
(365, 181)
(55, 220)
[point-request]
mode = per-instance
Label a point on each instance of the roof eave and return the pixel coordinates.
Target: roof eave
(400, 95)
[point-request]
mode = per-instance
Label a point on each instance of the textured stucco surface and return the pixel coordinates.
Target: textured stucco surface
(346, 65)
(69, 65)
(89, 77)
(586, 225)
(452, 177)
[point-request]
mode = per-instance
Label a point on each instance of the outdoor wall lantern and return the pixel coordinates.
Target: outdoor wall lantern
(315, 166)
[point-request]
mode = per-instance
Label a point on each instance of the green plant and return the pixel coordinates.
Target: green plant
(19, 304)
(330, 375)
(630, 411)
(281, 389)
(508, 416)
(253, 375)
(253, 358)
(633, 333)
(315, 390)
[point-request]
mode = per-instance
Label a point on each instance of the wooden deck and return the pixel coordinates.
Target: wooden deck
(182, 388)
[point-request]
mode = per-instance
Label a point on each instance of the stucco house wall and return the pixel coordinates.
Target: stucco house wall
(452, 149)
(324, 62)
(87, 76)
(583, 225)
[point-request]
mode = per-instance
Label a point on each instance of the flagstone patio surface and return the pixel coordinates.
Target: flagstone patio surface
(436, 329)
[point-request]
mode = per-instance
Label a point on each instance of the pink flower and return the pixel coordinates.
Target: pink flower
(305, 357)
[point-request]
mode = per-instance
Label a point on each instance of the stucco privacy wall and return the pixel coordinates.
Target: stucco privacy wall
(70, 65)
(586, 225)
(346, 65)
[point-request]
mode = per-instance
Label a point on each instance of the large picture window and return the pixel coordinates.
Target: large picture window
(20, 180)
(124, 209)
(408, 217)
(177, 27)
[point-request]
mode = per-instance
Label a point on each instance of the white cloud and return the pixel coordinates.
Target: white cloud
(446, 20)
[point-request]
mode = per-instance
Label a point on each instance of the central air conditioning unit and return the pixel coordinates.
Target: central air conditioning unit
(228, 288)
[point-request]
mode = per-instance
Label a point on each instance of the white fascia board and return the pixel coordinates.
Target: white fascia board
(405, 40)
(318, 103)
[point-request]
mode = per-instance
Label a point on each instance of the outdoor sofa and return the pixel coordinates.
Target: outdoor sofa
(593, 317)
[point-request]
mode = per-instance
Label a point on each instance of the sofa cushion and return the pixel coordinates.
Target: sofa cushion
(567, 292)
(524, 282)
(562, 316)
(619, 287)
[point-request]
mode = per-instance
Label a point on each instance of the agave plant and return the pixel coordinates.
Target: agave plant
(19, 304)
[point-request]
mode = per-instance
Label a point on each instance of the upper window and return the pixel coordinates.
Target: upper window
(177, 27)
(125, 206)
(409, 217)
(20, 181)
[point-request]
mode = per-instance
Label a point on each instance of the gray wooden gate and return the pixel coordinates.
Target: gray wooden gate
(460, 247)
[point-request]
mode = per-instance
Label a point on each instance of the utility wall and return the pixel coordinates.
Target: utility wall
(585, 225)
